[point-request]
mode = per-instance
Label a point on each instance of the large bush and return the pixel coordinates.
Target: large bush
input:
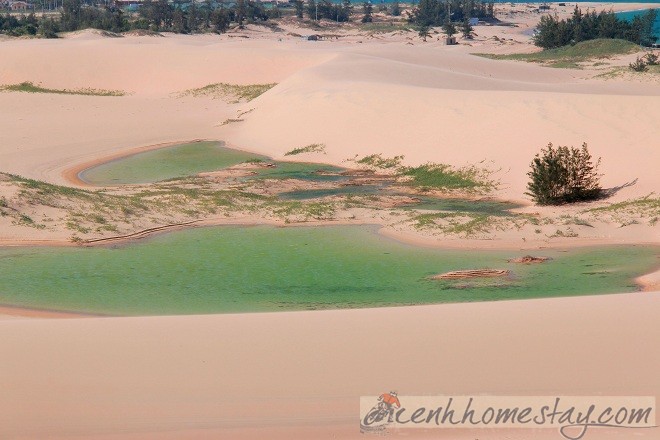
(563, 175)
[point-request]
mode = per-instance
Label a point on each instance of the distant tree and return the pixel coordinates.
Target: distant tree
(346, 10)
(427, 13)
(255, 11)
(48, 28)
(220, 20)
(424, 32)
(312, 11)
(179, 22)
(300, 8)
(396, 9)
(157, 14)
(449, 28)
(191, 17)
(240, 12)
(368, 10)
(563, 175)
(70, 16)
(466, 28)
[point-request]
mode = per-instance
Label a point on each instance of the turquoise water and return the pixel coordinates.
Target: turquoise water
(302, 171)
(166, 163)
(258, 269)
(196, 157)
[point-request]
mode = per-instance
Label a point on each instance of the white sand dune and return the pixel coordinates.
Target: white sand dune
(299, 375)
(454, 109)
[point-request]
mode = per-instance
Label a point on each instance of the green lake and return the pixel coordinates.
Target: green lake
(192, 158)
(233, 269)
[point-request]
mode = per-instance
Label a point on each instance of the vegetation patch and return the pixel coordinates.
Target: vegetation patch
(234, 92)
(626, 212)
(385, 27)
(312, 148)
(570, 56)
(231, 121)
(299, 211)
(29, 87)
(442, 176)
(377, 161)
(464, 224)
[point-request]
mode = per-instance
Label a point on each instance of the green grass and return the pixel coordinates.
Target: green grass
(464, 224)
(645, 206)
(295, 210)
(29, 87)
(232, 91)
(377, 161)
(312, 148)
(442, 176)
(570, 56)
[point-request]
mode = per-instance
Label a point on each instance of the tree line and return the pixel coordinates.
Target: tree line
(440, 12)
(552, 32)
(165, 16)
(154, 15)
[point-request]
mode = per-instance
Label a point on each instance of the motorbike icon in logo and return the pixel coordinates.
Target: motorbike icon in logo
(382, 412)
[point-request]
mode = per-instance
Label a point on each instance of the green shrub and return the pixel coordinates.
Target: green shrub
(639, 65)
(651, 59)
(563, 175)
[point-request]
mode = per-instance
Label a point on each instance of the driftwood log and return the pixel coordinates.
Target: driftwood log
(528, 259)
(472, 273)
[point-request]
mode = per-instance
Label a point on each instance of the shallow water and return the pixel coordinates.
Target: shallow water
(257, 269)
(301, 170)
(196, 157)
(166, 163)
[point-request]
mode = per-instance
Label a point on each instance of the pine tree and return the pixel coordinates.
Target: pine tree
(449, 28)
(300, 7)
(367, 8)
(466, 28)
(424, 32)
(396, 9)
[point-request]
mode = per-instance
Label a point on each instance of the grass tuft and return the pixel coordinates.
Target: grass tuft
(29, 87)
(232, 91)
(311, 148)
(442, 176)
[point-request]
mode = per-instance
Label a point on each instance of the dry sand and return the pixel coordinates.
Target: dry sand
(299, 375)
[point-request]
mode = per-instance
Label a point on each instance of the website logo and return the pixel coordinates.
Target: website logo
(572, 416)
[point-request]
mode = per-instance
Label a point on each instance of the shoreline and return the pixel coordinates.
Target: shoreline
(16, 311)
(648, 283)
(72, 175)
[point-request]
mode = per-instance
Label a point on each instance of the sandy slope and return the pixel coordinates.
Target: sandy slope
(428, 102)
(299, 375)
